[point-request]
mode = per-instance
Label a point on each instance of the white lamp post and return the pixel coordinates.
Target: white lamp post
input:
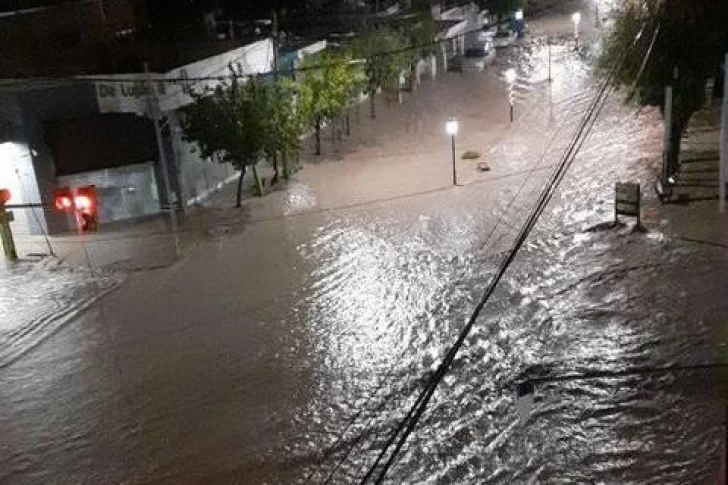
(451, 127)
(576, 18)
(511, 79)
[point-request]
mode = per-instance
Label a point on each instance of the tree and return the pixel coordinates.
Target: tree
(385, 56)
(226, 123)
(689, 48)
(421, 32)
(501, 8)
(286, 122)
(324, 90)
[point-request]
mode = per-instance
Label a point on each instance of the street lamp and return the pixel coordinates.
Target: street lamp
(451, 127)
(576, 18)
(511, 78)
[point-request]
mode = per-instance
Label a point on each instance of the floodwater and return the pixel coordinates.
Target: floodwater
(246, 361)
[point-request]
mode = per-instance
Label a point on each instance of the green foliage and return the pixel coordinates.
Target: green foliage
(226, 123)
(386, 54)
(421, 36)
(689, 48)
(328, 86)
(283, 121)
(240, 123)
(501, 8)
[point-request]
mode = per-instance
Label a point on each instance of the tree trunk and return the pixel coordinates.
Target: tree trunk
(372, 111)
(284, 162)
(239, 196)
(673, 155)
(274, 180)
(348, 123)
(318, 137)
(259, 189)
(333, 129)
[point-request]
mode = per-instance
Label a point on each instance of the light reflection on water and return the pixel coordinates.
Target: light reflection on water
(383, 290)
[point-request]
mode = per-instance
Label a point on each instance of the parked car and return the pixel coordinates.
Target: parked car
(478, 57)
(504, 38)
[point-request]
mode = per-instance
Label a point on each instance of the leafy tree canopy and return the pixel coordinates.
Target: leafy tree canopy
(689, 48)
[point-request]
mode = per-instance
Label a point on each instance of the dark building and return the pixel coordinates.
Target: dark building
(75, 103)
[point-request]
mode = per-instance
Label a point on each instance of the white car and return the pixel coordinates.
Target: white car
(478, 57)
(504, 38)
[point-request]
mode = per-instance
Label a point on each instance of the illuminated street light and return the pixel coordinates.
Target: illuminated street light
(451, 127)
(576, 18)
(511, 79)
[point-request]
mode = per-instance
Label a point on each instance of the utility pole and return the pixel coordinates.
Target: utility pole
(154, 114)
(724, 143)
(667, 143)
(276, 44)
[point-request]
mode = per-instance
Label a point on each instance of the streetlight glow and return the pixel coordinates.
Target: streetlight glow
(511, 78)
(451, 127)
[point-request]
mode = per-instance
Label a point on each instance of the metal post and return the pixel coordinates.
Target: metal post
(511, 101)
(6, 234)
(725, 446)
(549, 42)
(724, 143)
(154, 115)
(667, 140)
(454, 170)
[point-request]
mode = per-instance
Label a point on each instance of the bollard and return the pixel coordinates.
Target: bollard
(5, 232)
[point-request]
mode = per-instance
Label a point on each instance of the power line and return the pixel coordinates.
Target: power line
(415, 413)
(500, 220)
(131, 77)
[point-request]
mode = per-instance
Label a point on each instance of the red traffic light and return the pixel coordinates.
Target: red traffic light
(63, 199)
(4, 196)
(85, 199)
(86, 202)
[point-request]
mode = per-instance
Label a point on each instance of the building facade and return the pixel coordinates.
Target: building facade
(99, 130)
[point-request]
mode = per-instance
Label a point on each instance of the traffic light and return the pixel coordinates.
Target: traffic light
(86, 202)
(63, 199)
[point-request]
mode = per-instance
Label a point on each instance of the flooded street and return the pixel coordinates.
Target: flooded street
(246, 361)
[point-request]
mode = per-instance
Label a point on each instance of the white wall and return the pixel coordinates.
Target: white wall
(170, 88)
(18, 175)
